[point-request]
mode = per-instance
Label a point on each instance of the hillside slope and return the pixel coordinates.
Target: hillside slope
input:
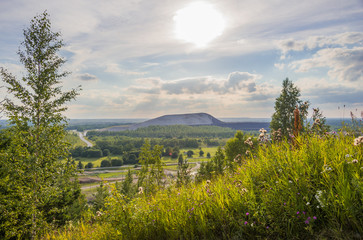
(191, 119)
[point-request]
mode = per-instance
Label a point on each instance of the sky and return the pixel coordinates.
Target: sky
(228, 58)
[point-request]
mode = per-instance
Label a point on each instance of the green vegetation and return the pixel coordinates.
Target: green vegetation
(284, 117)
(310, 191)
(74, 140)
(173, 131)
(36, 189)
(302, 182)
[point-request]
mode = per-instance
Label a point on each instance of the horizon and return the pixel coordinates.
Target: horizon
(147, 59)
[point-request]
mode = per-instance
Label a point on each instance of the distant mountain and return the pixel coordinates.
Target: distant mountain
(191, 119)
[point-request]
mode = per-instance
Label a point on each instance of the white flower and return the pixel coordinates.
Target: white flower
(308, 203)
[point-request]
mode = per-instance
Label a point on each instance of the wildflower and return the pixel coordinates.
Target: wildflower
(347, 156)
(267, 227)
(317, 121)
(308, 203)
(141, 190)
(314, 218)
(307, 222)
(246, 222)
(208, 182)
(355, 161)
(247, 213)
(99, 213)
(358, 141)
(298, 212)
(262, 130)
(249, 142)
(248, 152)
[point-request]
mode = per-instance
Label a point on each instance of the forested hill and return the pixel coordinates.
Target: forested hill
(192, 119)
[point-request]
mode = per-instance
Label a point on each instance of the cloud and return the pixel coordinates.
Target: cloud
(344, 64)
(242, 80)
(236, 81)
(312, 42)
(86, 77)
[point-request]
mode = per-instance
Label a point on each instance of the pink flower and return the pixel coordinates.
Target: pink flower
(247, 214)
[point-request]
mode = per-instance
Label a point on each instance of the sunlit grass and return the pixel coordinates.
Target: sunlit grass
(311, 189)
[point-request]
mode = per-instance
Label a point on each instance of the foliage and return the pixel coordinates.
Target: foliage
(89, 165)
(116, 162)
(283, 118)
(93, 153)
(172, 131)
(127, 188)
(319, 122)
(80, 165)
(36, 188)
(312, 190)
(151, 174)
(183, 173)
(105, 163)
(238, 147)
(100, 197)
(190, 153)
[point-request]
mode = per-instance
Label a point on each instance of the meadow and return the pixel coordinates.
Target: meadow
(308, 188)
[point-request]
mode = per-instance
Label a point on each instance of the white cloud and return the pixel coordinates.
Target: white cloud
(313, 42)
(344, 64)
(236, 82)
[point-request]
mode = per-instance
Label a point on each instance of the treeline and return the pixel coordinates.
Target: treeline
(129, 147)
(172, 131)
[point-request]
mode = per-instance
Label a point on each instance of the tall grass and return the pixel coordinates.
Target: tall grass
(311, 189)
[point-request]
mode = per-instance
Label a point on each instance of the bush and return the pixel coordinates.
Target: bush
(116, 162)
(106, 152)
(89, 165)
(174, 155)
(105, 163)
(94, 153)
(190, 153)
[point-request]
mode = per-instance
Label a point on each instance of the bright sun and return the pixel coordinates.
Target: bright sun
(198, 23)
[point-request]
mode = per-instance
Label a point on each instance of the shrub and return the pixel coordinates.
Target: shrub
(105, 163)
(116, 162)
(89, 165)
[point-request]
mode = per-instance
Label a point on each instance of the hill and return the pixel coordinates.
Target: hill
(191, 119)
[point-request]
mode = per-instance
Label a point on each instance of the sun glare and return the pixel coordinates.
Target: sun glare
(198, 23)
